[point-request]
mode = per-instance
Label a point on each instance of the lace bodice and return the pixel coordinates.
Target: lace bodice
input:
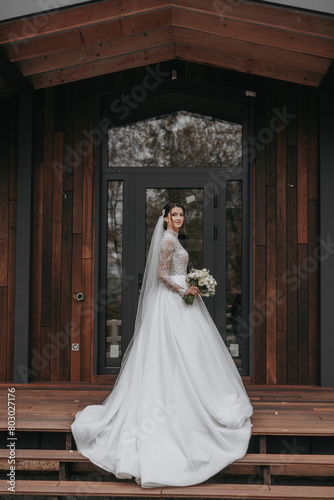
(173, 261)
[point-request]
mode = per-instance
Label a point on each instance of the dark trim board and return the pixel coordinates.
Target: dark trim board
(23, 242)
(326, 257)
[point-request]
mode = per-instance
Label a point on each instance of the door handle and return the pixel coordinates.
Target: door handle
(140, 282)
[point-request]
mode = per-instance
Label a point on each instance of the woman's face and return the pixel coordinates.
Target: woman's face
(175, 218)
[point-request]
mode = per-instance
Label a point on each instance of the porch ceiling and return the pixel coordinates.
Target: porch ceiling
(113, 35)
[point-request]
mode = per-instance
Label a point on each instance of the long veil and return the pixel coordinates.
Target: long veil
(149, 286)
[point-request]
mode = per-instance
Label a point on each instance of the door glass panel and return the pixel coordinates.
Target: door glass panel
(234, 270)
(114, 274)
(179, 139)
(192, 200)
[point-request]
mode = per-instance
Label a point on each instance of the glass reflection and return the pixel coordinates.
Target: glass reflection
(180, 139)
(114, 274)
(234, 269)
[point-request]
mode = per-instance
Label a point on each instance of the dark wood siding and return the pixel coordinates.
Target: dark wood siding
(63, 237)
(8, 197)
(286, 230)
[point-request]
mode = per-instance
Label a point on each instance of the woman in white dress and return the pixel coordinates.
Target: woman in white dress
(179, 412)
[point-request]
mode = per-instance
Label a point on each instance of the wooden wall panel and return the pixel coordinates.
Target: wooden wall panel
(8, 204)
(63, 237)
(286, 226)
(291, 229)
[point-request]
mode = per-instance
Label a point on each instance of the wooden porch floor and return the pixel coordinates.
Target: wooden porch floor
(300, 413)
(278, 410)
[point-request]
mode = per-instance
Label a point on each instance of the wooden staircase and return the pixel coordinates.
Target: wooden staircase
(285, 412)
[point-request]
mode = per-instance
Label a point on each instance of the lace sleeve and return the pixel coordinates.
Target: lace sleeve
(166, 253)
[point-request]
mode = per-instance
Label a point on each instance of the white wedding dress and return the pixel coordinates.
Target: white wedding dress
(179, 412)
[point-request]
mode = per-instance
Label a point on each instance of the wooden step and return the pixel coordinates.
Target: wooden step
(248, 459)
(121, 489)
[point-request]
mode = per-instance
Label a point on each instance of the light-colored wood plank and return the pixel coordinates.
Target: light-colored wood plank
(251, 50)
(245, 65)
(251, 32)
(69, 19)
(89, 41)
(105, 66)
(267, 15)
(96, 52)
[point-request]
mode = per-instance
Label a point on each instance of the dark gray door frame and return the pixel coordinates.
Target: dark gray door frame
(23, 241)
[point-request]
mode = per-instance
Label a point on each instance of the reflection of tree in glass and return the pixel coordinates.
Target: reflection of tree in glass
(180, 139)
(114, 249)
(155, 201)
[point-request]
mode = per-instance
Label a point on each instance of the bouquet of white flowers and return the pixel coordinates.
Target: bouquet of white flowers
(203, 280)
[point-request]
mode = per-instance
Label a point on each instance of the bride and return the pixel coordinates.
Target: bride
(178, 413)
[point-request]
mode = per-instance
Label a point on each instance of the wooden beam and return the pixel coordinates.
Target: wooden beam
(266, 15)
(246, 65)
(252, 50)
(251, 32)
(96, 53)
(77, 17)
(106, 66)
(13, 77)
(101, 33)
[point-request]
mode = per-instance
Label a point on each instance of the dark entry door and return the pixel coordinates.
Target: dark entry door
(214, 239)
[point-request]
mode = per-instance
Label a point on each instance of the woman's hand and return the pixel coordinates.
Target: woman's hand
(193, 290)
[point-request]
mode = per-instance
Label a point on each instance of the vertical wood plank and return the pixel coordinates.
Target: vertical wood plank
(37, 263)
(260, 180)
(313, 292)
(68, 139)
(281, 357)
(260, 315)
(76, 314)
(4, 194)
(312, 145)
(281, 221)
(13, 151)
(302, 167)
(87, 322)
(47, 210)
(66, 286)
(77, 160)
(290, 276)
(12, 237)
(57, 198)
(303, 372)
(3, 332)
(41, 359)
(11, 289)
(267, 137)
(271, 285)
(4, 234)
(88, 165)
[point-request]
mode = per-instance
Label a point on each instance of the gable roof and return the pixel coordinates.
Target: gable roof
(102, 37)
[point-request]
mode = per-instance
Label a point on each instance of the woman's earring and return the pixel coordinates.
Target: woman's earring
(165, 224)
